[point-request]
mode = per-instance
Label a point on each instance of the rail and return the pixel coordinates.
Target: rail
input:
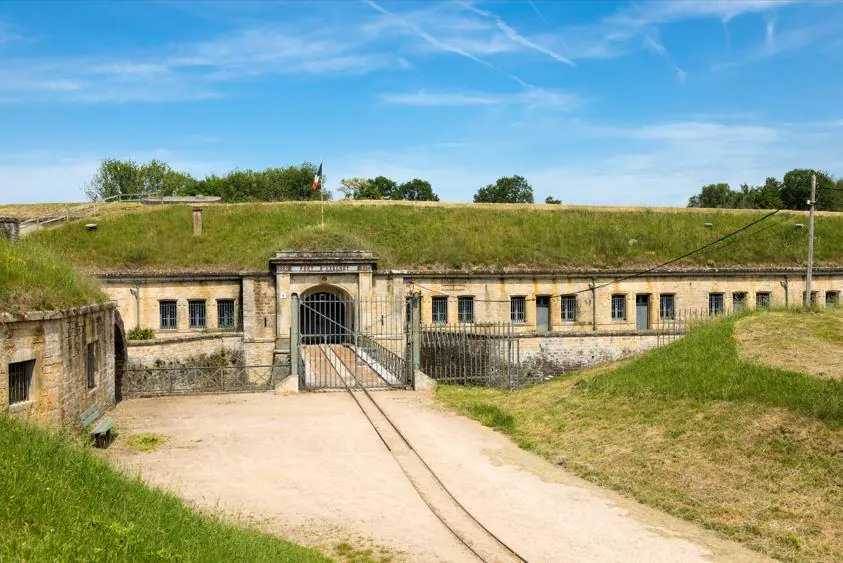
(156, 381)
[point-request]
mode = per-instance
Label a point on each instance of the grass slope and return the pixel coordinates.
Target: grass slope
(58, 501)
(437, 236)
(33, 277)
(753, 452)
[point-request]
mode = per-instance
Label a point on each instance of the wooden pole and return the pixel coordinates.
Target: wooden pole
(812, 202)
(322, 192)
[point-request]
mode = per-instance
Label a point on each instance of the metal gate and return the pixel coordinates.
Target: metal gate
(337, 343)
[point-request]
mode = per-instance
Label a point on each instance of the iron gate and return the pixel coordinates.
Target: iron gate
(338, 343)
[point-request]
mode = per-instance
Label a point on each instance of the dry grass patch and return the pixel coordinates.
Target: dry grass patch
(35, 210)
(815, 347)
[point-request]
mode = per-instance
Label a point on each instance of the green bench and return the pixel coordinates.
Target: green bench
(101, 432)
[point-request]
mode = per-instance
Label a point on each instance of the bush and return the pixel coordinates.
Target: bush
(141, 334)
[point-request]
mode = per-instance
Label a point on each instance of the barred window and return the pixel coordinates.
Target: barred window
(439, 310)
(225, 313)
(813, 298)
(738, 301)
(465, 309)
(762, 300)
(832, 299)
(518, 309)
(569, 308)
(196, 311)
(168, 315)
(667, 306)
(91, 365)
(619, 307)
(20, 380)
(716, 304)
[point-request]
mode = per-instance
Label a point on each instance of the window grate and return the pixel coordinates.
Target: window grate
(667, 307)
(168, 315)
(738, 301)
(569, 308)
(20, 380)
(619, 307)
(439, 310)
(762, 300)
(517, 309)
(832, 299)
(716, 304)
(813, 298)
(465, 309)
(92, 365)
(196, 313)
(225, 313)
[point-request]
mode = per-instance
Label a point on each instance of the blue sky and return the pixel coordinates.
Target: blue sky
(593, 102)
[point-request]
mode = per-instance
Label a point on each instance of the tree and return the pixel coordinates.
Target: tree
(507, 189)
(713, 195)
(384, 187)
(796, 190)
(768, 196)
(415, 190)
(115, 177)
(552, 200)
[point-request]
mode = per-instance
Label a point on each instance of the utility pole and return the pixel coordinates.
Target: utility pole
(812, 202)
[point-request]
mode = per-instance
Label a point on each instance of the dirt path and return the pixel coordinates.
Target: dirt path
(311, 468)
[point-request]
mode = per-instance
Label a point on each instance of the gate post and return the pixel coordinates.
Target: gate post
(294, 336)
(416, 329)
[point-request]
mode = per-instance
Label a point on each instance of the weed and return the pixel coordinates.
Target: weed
(138, 333)
(146, 442)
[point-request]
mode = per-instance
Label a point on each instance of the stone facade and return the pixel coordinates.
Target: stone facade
(568, 352)
(146, 353)
(10, 228)
(54, 347)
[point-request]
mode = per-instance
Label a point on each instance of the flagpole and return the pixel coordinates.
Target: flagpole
(322, 191)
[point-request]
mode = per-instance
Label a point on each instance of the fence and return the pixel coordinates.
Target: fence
(152, 382)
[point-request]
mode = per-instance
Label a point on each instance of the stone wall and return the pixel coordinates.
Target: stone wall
(58, 343)
(10, 228)
(146, 353)
(568, 352)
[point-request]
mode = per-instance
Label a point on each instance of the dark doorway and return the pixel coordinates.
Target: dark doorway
(642, 312)
(542, 313)
(322, 318)
(120, 357)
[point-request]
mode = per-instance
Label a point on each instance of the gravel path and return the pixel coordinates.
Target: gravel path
(310, 468)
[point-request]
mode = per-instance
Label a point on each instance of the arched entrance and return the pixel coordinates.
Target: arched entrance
(325, 316)
(120, 356)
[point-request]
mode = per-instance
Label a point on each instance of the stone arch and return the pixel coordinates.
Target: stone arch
(121, 356)
(326, 315)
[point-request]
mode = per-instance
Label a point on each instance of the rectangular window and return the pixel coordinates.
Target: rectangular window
(716, 304)
(92, 365)
(569, 308)
(619, 307)
(20, 380)
(465, 309)
(762, 300)
(813, 298)
(225, 313)
(738, 301)
(168, 315)
(517, 309)
(439, 310)
(196, 311)
(667, 307)
(832, 299)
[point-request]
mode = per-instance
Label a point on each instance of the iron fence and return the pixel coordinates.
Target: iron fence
(153, 381)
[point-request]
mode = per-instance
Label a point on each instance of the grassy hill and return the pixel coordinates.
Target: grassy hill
(34, 277)
(60, 502)
(440, 236)
(697, 429)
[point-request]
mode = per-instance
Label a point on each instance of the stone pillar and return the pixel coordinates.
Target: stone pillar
(294, 337)
(197, 221)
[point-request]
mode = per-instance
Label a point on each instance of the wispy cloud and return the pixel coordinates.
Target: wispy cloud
(530, 98)
(658, 47)
(536, 10)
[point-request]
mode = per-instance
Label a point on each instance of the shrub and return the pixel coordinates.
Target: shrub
(138, 333)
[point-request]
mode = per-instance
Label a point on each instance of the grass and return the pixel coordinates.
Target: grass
(60, 502)
(443, 236)
(34, 277)
(817, 347)
(752, 452)
(146, 442)
(35, 210)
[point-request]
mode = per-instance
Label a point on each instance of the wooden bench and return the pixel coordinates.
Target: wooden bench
(101, 431)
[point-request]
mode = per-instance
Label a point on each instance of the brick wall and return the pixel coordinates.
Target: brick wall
(571, 352)
(58, 343)
(180, 348)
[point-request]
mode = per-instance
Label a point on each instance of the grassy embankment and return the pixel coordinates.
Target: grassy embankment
(60, 502)
(446, 236)
(701, 431)
(34, 277)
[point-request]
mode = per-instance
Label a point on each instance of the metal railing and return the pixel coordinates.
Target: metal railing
(153, 382)
(380, 356)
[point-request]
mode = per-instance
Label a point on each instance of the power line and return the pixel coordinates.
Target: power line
(637, 274)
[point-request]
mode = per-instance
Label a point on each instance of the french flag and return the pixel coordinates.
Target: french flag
(318, 177)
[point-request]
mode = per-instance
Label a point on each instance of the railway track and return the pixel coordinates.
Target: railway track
(461, 523)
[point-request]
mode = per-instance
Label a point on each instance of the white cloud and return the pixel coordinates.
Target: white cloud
(530, 98)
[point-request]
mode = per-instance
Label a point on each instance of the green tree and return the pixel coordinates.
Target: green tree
(115, 178)
(415, 190)
(769, 195)
(796, 190)
(385, 187)
(552, 200)
(507, 189)
(713, 195)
